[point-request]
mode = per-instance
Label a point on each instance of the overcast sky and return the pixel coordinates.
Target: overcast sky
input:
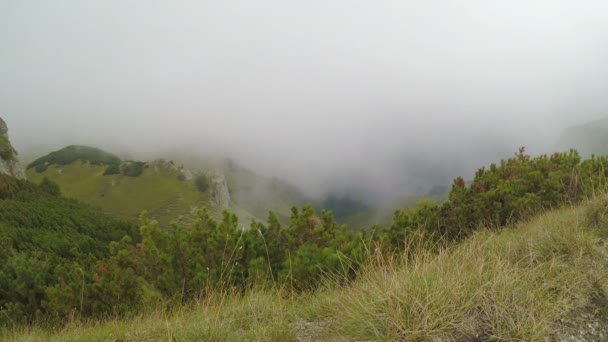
(318, 92)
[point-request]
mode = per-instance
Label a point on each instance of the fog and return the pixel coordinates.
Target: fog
(384, 97)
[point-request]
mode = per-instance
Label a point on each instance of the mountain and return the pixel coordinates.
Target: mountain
(589, 138)
(165, 189)
(9, 164)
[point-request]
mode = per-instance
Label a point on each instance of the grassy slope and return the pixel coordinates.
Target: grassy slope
(514, 285)
(157, 190)
(165, 197)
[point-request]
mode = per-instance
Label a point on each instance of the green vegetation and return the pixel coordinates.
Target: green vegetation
(7, 152)
(156, 190)
(44, 239)
(160, 187)
(185, 263)
(162, 190)
(133, 168)
(434, 271)
(50, 187)
(112, 169)
(506, 193)
(202, 183)
(73, 153)
(517, 284)
(512, 285)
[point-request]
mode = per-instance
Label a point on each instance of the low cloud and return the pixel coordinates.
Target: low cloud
(384, 97)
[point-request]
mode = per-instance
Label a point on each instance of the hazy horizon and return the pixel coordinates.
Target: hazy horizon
(372, 96)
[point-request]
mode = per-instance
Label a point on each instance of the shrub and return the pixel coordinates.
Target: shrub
(202, 183)
(49, 242)
(41, 168)
(113, 169)
(133, 169)
(50, 187)
(6, 150)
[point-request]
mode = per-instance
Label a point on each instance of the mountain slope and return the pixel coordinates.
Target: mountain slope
(157, 189)
(544, 280)
(167, 191)
(43, 238)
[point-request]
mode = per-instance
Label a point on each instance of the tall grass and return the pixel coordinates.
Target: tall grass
(222, 316)
(512, 285)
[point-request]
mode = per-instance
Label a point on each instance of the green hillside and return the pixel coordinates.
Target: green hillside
(103, 180)
(73, 153)
(158, 189)
(590, 138)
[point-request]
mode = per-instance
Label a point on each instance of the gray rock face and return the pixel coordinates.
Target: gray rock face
(12, 168)
(187, 174)
(219, 190)
(9, 165)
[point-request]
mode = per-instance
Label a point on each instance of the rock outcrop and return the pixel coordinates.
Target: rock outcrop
(186, 174)
(219, 190)
(9, 164)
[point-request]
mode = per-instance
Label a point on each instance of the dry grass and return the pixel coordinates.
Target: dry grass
(513, 285)
(255, 316)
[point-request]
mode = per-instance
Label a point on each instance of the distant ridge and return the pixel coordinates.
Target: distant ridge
(73, 153)
(167, 190)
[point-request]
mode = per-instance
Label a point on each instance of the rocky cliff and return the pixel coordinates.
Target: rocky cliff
(9, 164)
(219, 190)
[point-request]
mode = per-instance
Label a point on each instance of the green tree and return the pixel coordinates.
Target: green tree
(50, 187)
(201, 182)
